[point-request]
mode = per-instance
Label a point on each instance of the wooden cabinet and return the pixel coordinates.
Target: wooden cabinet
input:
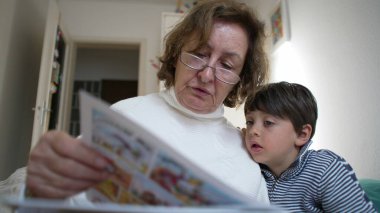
(168, 21)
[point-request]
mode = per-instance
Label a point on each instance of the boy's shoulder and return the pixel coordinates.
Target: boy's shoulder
(324, 154)
(318, 163)
(324, 157)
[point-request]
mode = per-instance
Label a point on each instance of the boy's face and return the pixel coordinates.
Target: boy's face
(271, 140)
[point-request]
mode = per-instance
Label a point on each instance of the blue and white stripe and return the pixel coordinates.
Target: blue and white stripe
(318, 181)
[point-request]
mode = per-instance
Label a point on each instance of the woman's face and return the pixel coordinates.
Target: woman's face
(200, 91)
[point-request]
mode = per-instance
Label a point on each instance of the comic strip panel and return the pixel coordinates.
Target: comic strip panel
(186, 186)
(119, 143)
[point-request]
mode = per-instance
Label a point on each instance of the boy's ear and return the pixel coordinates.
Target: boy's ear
(304, 135)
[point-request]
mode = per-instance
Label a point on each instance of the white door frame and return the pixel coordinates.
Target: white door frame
(77, 42)
(42, 107)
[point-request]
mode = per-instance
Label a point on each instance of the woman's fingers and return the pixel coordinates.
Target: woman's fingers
(60, 166)
(72, 148)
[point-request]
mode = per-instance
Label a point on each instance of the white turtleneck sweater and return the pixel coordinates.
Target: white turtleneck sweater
(208, 140)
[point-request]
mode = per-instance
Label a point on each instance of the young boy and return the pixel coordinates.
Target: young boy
(281, 119)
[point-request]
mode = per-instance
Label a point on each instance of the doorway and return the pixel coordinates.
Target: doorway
(109, 71)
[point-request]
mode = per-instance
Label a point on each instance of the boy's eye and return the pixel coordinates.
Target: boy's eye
(249, 123)
(268, 123)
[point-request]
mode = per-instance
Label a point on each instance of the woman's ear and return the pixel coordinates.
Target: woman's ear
(304, 136)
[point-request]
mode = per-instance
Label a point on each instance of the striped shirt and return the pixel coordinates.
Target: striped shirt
(318, 181)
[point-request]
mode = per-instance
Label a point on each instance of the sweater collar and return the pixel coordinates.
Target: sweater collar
(295, 168)
(169, 96)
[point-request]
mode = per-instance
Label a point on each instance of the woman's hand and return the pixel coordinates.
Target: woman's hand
(60, 166)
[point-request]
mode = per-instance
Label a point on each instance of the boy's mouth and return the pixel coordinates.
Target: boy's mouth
(256, 147)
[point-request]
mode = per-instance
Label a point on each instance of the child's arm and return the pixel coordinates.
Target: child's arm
(340, 190)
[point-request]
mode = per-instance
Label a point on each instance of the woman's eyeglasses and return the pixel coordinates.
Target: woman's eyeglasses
(196, 63)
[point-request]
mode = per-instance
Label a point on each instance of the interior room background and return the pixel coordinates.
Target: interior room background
(334, 50)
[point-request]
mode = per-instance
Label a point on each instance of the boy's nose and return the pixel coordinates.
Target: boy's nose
(253, 131)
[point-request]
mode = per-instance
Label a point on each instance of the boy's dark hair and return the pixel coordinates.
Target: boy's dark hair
(288, 101)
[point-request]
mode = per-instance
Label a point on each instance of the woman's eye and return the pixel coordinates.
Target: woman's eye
(200, 55)
(226, 66)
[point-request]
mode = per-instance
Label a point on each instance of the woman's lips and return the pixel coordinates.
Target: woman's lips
(201, 92)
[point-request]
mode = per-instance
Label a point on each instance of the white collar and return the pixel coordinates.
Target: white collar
(169, 96)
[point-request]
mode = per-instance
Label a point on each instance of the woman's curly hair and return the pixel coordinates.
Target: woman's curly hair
(198, 22)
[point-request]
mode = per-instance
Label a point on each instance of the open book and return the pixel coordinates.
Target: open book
(146, 170)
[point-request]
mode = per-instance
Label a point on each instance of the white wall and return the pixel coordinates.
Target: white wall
(122, 20)
(334, 51)
(21, 34)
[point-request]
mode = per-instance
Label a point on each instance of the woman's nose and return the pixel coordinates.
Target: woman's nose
(207, 74)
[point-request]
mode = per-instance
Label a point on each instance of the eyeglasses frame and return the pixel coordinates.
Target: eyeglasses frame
(206, 65)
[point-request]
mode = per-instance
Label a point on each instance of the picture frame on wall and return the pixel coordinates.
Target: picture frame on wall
(280, 24)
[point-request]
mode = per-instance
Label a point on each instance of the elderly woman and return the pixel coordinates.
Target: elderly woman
(214, 57)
